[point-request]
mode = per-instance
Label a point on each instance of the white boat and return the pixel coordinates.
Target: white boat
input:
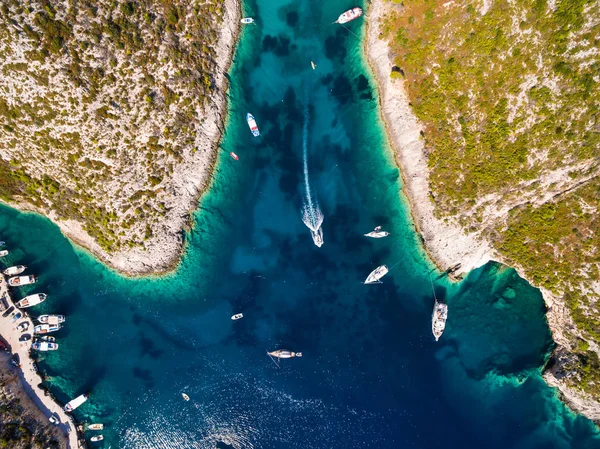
(247, 20)
(252, 124)
(97, 438)
(3, 253)
(22, 280)
(44, 346)
(279, 354)
(185, 397)
(313, 65)
(51, 319)
(375, 275)
(41, 329)
(438, 319)
(74, 403)
(317, 237)
(96, 427)
(32, 300)
(13, 271)
(349, 15)
(377, 233)
(237, 316)
(47, 338)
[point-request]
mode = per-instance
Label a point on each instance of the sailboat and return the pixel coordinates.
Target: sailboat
(279, 354)
(439, 316)
(375, 275)
(377, 233)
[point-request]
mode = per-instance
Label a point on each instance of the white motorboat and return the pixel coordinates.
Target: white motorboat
(41, 329)
(237, 316)
(247, 20)
(313, 65)
(185, 397)
(96, 427)
(97, 438)
(47, 338)
(18, 281)
(74, 403)
(375, 275)
(438, 319)
(252, 124)
(3, 253)
(317, 237)
(349, 15)
(44, 346)
(377, 233)
(32, 300)
(13, 271)
(51, 319)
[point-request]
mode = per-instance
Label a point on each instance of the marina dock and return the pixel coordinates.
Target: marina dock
(29, 376)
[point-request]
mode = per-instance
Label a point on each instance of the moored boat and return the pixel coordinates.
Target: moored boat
(375, 275)
(247, 20)
(237, 316)
(51, 319)
(97, 438)
(42, 329)
(12, 271)
(22, 280)
(377, 233)
(438, 319)
(2, 243)
(3, 253)
(252, 124)
(234, 156)
(96, 426)
(349, 15)
(74, 403)
(47, 338)
(44, 346)
(32, 300)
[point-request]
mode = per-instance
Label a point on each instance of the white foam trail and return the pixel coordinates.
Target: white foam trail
(311, 213)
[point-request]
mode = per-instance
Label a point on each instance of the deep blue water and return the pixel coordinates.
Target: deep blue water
(371, 375)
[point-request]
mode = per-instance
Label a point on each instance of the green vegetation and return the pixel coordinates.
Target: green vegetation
(117, 103)
(509, 102)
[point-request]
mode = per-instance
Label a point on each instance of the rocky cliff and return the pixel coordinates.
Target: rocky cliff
(109, 116)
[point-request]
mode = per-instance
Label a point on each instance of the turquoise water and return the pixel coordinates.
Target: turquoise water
(371, 374)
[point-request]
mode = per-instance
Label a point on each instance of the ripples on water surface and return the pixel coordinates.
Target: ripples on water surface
(371, 375)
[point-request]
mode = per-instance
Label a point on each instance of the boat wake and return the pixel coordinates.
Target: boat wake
(311, 214)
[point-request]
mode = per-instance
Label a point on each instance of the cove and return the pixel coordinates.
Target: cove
(371, 374)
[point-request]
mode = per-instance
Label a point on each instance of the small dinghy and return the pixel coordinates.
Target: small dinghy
(375, 275)
(313, 65)
(3, 253)
(12, 271)
(234, 156)
(185, 397)
(377, 233)
(237, 316)
(247, 20)
(97, 438)
(96, 427)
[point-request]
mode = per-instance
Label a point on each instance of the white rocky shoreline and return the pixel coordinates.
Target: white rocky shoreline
(447, 244)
